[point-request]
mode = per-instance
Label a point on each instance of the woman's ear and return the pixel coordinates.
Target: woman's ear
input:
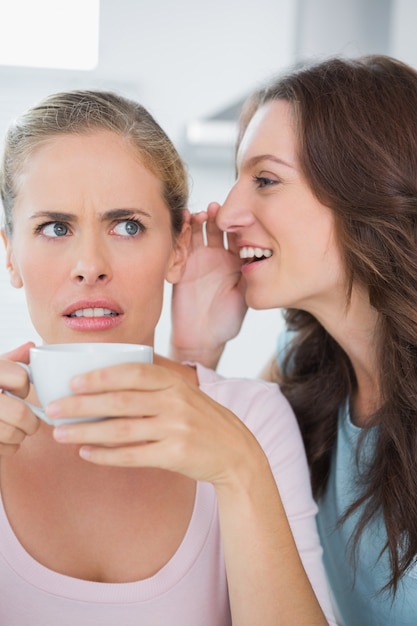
(179, 255)
(15, 278)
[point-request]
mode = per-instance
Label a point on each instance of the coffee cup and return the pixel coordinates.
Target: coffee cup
(52, 367)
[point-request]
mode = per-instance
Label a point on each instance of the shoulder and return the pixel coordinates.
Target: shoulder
(261, 405)
(240, 391)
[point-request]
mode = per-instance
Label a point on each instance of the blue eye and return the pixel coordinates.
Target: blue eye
(129, 228)
(263, 181)
(54, 229)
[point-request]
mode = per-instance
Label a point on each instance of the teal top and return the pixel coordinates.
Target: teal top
(357, 592)
(359, 599)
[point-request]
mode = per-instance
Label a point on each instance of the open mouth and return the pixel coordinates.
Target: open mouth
(251, 255)
(93, 312)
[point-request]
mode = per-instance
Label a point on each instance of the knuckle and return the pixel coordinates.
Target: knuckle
(128, 456)
(180, 448)
(177, 400)
(102, 376)
(72, 404)
(20, 413)
(8, 449)
(121, 402)
(22, 417)
(123, 429)
(10, 435)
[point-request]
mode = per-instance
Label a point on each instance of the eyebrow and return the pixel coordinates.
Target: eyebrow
(61, 216)
(267, 157)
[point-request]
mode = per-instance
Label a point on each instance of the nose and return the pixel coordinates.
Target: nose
(92, 263)
(234, 213)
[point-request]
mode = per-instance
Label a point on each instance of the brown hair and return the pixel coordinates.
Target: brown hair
(80, 112)
(356, 126)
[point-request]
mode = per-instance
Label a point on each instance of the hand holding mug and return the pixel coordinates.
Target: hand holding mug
(17, 421)
(52, 367)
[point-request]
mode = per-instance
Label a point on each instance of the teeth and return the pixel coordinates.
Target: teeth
(93, 312)
(249, 253)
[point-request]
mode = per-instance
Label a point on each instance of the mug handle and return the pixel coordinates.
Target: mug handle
(27, 368)
(39, 412)
(35, 409)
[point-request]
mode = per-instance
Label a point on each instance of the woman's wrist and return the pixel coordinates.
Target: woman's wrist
(207, 356)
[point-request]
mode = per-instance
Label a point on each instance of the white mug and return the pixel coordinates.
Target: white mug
(53, 366)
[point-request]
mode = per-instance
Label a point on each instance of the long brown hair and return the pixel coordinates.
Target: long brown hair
(356, 125)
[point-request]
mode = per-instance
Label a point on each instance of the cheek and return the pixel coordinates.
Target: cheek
(41, 282)
(38, 292)
(35, 273)
(143, 277)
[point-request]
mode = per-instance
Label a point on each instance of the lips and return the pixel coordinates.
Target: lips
(93, 309)
(93, 312)
(93, 316)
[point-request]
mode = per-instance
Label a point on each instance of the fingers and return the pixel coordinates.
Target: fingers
(8, 449)
(129, 456)
(197, 222)
(214, 234)
(19, 354)
(16, 419)
(212, 210)
(169, 441)
(112, 432)
(16, 415)
(156, 419)
(13, 377)
(128, 442)
(126, 376)
(16, 423)
(205, 231)
(120, 390)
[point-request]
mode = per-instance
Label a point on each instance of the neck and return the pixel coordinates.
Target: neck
(354, 327)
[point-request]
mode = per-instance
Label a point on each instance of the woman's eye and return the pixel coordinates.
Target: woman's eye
(264, 181)
(54, 229)
(128, 228)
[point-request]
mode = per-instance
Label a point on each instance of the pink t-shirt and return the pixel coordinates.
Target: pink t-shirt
(191, 589)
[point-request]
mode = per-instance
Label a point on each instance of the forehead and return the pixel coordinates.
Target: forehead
(101, 160)
(270, 131)
(102, 144)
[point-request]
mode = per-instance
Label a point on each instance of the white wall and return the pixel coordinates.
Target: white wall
(182, 60)
(188, 59)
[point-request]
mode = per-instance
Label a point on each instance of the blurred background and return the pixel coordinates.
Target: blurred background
(191, 64)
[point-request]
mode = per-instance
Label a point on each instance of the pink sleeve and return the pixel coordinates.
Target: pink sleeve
(274, 424)
(267, 413)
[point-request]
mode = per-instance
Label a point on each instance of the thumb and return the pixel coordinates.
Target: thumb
(19, 354)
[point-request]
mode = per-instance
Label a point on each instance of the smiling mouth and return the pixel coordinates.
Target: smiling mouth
(251, 255)
(93, 312)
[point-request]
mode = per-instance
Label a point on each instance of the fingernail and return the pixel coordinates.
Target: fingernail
(52, 409)
(60, 433)
(85, 453)
(77, 383)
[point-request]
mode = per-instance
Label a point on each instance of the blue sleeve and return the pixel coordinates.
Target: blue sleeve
(284, 339)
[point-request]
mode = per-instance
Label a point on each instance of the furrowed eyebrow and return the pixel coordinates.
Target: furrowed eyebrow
(61, 216)
(54, 216)
(121, 213)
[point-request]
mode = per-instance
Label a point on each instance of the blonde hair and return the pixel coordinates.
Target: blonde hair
(80, 112)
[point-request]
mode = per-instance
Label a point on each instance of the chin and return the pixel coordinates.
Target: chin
(259, 302)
